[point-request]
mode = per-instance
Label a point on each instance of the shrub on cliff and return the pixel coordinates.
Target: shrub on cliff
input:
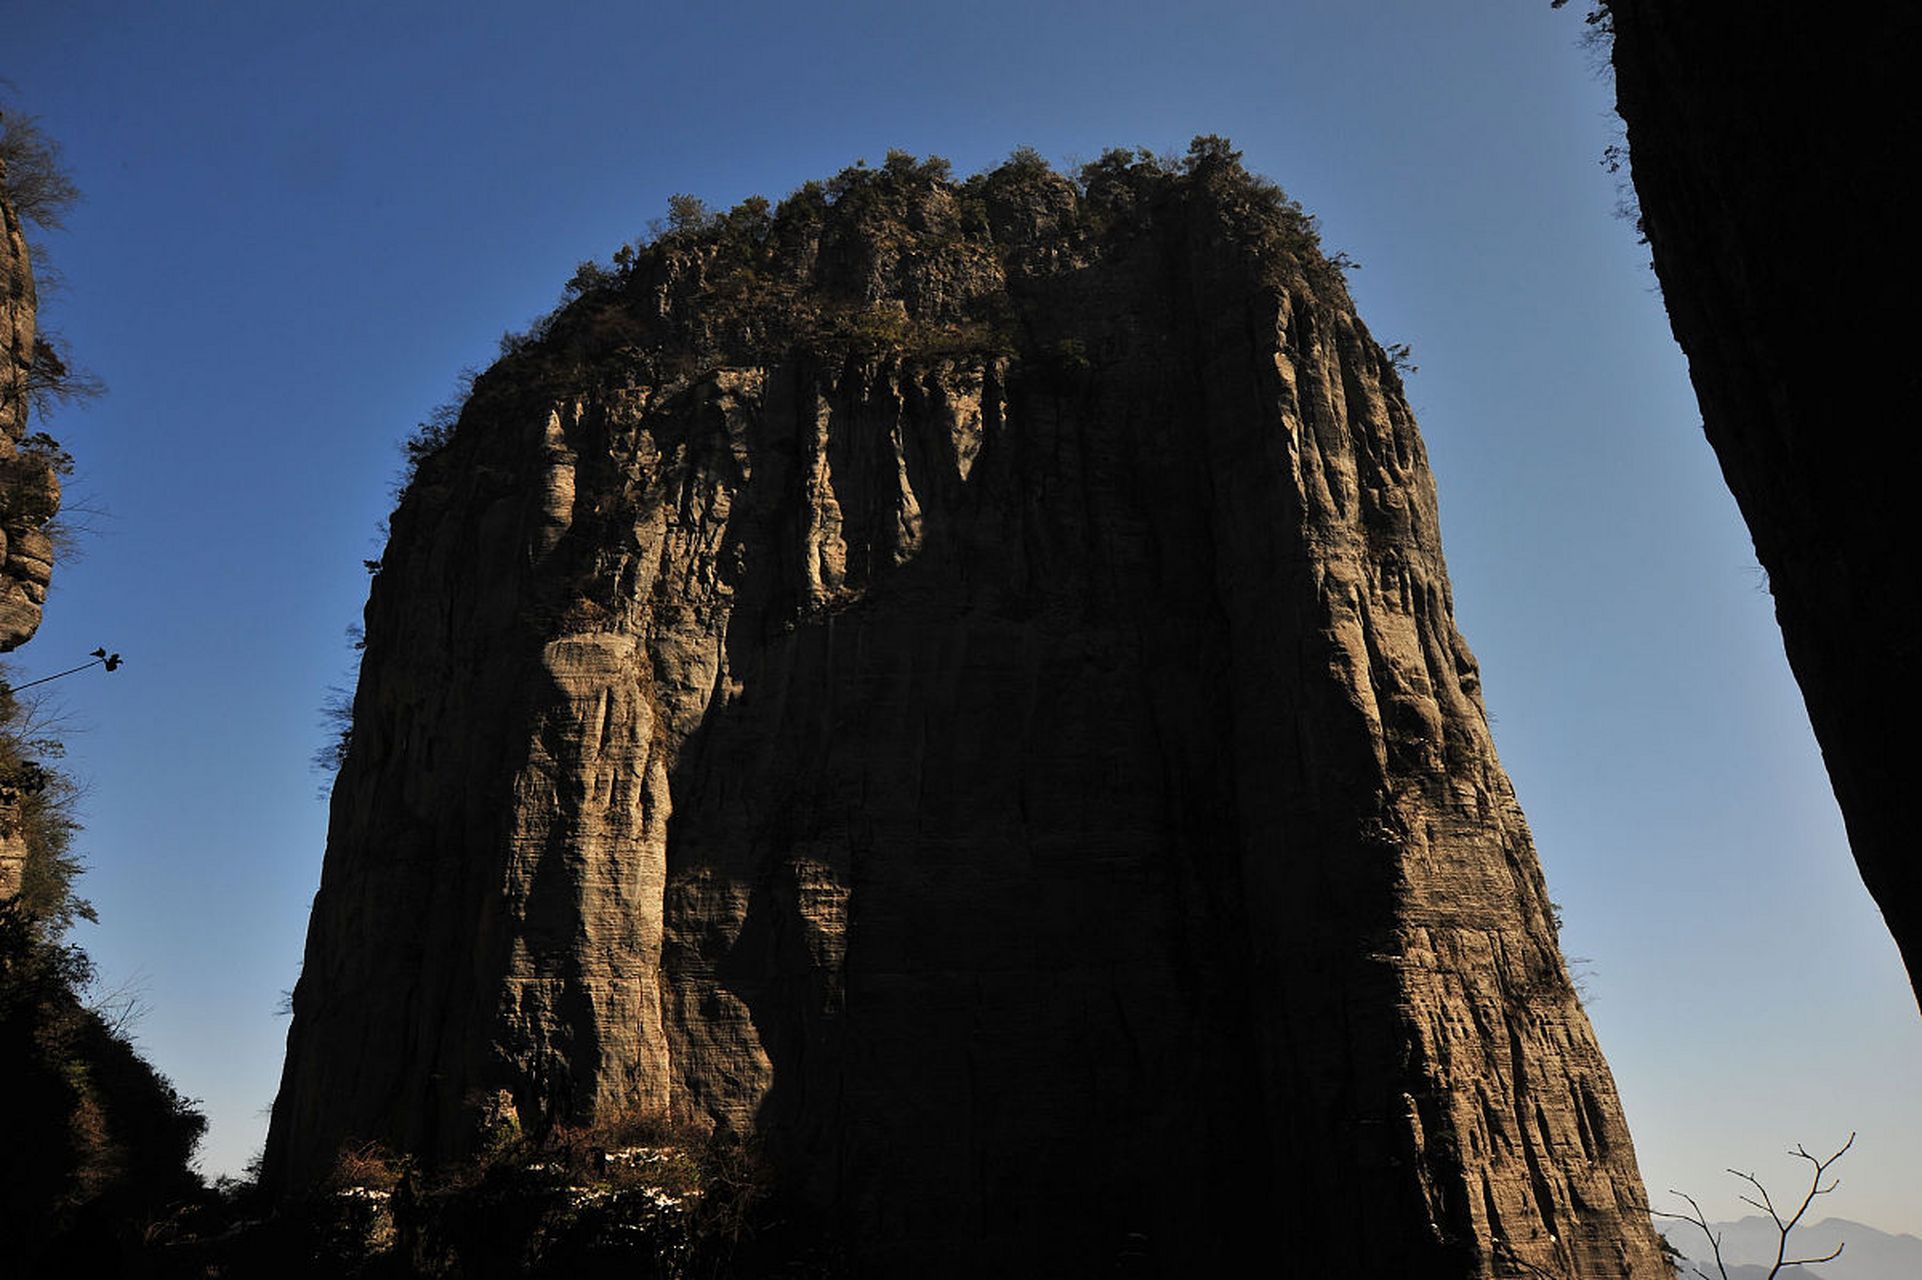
(35, 183)
(36, 821)
(897, 260)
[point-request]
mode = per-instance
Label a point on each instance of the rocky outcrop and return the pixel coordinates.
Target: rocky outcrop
(97, 1140)
(29, 489)
(1767, 148)
(958, 681)
(29, 496)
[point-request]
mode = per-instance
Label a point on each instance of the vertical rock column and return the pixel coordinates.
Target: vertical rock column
(585, 877)
(490, 919)
(1002, 741)
(1417, 1016)
(29, 495)
(29, 489)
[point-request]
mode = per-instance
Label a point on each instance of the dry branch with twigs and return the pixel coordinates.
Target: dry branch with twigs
(1783, 1227)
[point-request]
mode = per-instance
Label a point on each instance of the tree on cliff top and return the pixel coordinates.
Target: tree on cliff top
(36, 183)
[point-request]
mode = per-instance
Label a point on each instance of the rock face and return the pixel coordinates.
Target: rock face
(958, 680)
(98, 1143)
(29, 496)
(1767, 147)
(29, 489)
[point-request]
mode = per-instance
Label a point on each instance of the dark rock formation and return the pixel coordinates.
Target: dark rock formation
(958, 681)
(1771, 149)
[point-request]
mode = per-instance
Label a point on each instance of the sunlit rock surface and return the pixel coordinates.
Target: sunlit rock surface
(29, 489)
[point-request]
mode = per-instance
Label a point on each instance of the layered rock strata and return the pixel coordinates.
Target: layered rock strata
(958, 681)
(1770, 152)
(29, 489)
(29, 497)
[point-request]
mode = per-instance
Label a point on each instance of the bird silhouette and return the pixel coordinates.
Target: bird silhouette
(101, 658)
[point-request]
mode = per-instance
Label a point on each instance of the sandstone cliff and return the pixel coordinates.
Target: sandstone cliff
(1770, 150)
(958, 680)
(29, 495)
(29, 489)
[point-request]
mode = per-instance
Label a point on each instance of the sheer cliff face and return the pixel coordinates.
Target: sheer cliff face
(1771, 162)
(960, 681)
(29, 496)
(29, 490)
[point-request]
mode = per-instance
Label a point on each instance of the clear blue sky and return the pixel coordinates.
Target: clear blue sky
(302, 221)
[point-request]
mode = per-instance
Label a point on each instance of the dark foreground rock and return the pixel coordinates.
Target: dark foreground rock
(958, 682)
(1772, 150)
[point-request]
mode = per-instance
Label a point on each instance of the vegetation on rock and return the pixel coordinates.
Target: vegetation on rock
(35, 184)
(866, 262)
(99, 1141)
(623, 1196)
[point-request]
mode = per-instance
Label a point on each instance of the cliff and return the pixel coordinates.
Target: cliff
(97, 1141)
(957, 681)
(29, 493)
(29, 489)
(1768, 149)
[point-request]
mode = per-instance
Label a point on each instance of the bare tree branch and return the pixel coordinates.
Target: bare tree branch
(121, 1008)
(1815, 1189)
(36, 182)
(1700, 1219)
(1827, 1257)
(54, 380)
(1767, 1205)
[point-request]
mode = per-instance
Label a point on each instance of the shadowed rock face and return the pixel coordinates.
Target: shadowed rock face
(960, 681)
(29, 490)
(1772, 150)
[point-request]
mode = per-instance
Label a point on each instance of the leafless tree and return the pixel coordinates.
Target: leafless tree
(37, 185)
(53, 380)
(121, 1008)
(1783, 1226)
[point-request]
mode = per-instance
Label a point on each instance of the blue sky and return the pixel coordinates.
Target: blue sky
(302, 221)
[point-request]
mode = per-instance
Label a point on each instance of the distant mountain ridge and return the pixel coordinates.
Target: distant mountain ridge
(1748, 1247)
